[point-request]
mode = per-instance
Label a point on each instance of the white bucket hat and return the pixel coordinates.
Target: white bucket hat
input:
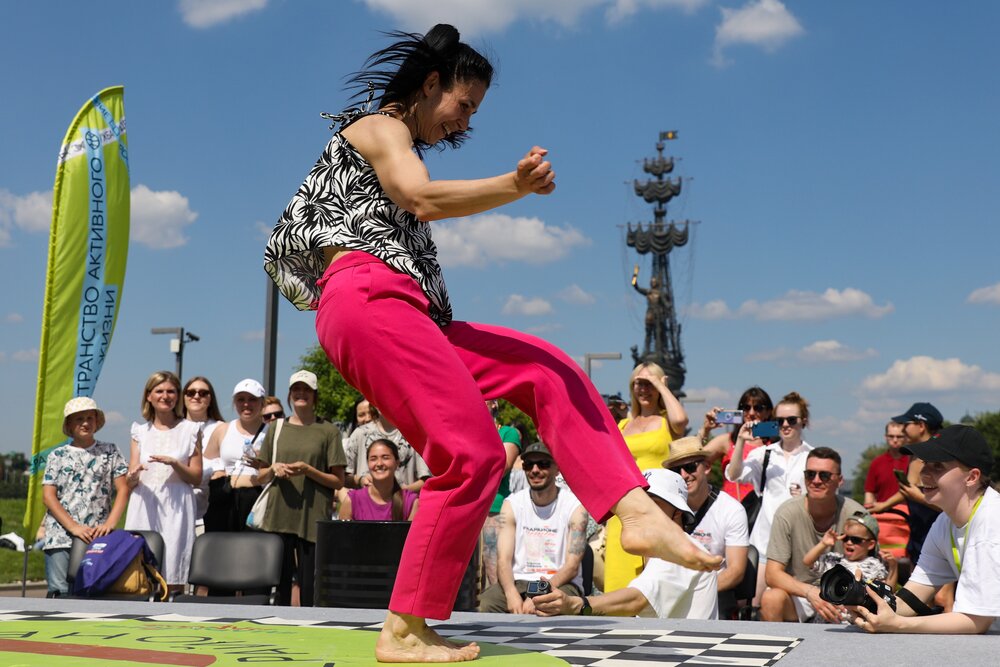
(81, 404)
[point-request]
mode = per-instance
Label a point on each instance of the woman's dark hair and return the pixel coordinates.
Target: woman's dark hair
(397, 490)
(399, 70)
(758, 395)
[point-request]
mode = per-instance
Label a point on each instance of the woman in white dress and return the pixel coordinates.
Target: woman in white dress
(164, 468)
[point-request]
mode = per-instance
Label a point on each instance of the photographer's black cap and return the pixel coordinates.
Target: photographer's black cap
(536, 448)
(956, 443)
(921, 412)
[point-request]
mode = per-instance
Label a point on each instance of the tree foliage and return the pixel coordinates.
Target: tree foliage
(336, 398)
(861, 470)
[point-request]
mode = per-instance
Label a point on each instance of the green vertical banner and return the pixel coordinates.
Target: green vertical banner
(88, 249)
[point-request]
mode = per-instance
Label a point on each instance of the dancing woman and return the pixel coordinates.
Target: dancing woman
(354, 244)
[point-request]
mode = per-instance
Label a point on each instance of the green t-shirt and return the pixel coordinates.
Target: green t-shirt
(294, 505)
(508, 434)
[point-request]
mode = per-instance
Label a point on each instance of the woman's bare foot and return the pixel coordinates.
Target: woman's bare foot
(406, 638)
(646, 531)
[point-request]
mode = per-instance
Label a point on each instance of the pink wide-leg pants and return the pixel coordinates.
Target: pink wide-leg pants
(431, 382)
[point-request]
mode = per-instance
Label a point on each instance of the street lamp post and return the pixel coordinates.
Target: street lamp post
(177, 344)
(590, 356)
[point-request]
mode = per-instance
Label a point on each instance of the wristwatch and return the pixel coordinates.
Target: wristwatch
(586, 609)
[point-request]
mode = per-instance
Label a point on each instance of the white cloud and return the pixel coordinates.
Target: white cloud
(927, 374)
(112, 417)
(207, 13)
(798, 305)
(832, 351)
(520, 305)
(989, 295)
(764, 23)
(263, 230)
(31, 213)
(3, 357)
(576, 295)
(622, 9)
(14, 318)
(158, 218)
(711, 395)
(476, 17)
(820, 352)
(713, 310)
(25, 356)
(495, 237)
(253, 335)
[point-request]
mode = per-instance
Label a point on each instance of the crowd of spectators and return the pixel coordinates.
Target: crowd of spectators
(780, 498)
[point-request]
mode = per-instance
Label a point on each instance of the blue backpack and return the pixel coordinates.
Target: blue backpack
(119, 562)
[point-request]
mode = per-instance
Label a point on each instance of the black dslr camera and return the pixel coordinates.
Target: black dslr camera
(838, 586)
(537, 588)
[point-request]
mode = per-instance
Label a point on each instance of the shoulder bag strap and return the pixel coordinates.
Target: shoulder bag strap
(763, 470)
(691, 524)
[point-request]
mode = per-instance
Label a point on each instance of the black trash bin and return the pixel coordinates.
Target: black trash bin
(356, 564)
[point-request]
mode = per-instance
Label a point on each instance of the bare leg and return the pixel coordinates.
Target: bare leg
(406, 638)
(646, 531)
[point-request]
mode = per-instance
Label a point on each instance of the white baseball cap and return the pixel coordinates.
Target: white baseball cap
(251, 387)
(306, 377)
(669, 486)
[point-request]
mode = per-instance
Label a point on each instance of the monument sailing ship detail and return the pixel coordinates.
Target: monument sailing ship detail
(663, 333)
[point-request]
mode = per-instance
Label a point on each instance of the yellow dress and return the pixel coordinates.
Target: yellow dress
(649, 449)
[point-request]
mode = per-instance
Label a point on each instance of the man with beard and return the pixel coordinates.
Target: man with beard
(543, 535)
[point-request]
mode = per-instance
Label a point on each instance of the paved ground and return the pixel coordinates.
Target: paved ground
(819, 645)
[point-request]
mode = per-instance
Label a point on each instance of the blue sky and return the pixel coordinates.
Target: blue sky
(839, 158)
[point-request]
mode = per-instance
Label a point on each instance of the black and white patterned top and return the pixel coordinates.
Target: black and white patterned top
(342, 203)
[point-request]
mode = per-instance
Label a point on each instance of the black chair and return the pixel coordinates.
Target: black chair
(736, 603)
(237, 565)
(356, 564)
(79, 549)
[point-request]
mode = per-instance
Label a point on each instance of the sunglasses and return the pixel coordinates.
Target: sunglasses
(791, 421)
(200, 393)
(690, 468)
(854, 539)
(747, 407)
(271, 416)
(543, 464)
(824, 475)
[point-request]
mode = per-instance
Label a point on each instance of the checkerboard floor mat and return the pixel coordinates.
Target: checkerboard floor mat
(574, 643)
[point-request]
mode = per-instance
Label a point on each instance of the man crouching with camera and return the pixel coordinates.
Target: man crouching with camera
(963, 545)
(541, 539)
(662, 590)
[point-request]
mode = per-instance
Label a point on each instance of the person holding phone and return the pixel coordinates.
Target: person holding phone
(754, 405)
(785, 462)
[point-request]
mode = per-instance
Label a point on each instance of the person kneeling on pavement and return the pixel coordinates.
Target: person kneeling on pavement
(663, 590)
(542, 535)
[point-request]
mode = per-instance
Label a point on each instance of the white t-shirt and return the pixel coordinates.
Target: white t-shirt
(674, 591)
(724, 525)
(784, 480)
(978, 590)
(542, 535)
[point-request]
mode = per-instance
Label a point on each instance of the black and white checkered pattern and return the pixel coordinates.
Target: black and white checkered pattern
(576, 644)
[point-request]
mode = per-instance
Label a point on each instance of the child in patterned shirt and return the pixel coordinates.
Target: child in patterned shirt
(861, 551)
(77, 490)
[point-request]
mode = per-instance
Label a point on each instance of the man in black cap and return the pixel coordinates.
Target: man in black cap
(920, 423)
(963, 545)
